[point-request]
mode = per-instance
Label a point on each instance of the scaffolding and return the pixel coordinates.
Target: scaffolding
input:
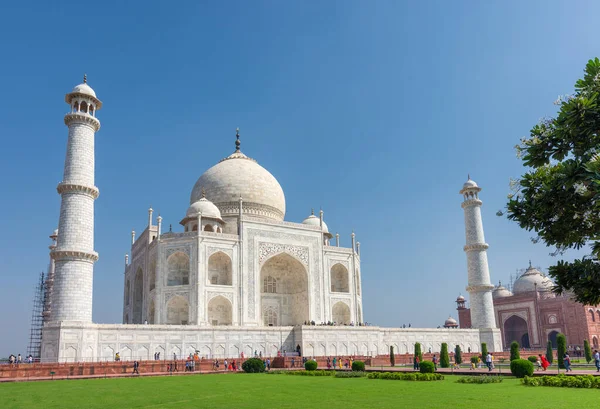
(37, 319)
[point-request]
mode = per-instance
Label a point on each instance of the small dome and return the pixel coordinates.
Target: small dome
(206, 207)
(84, 88)
(313, 220)
(500, 292)
(469, 184)
(531, 280)
(460, 298)
(450, 322)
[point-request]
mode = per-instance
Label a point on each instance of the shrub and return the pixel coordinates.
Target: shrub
(457, 355)
(253, 365)
(358, 366)
(587, 351)
(533, 359)
(563, 381)
(346, 374)
(310, 365)
(392, 357)
(400, 376)
(514, 351)
(484, 351)
(426, 367)
(418, 351)
(321, 372)
(480, 379)
(561, 350)
(549, 355)
(474, 359)
(444, 359)
(521, 368)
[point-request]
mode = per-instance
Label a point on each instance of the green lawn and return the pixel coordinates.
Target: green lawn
(281, 391)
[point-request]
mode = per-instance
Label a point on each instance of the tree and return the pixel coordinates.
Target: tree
(484, 351)
(457, 355)
(514, 351)
(549, 354)
(587, 351)
(392, 357)
(559, 196)
(561, 349)
(444, 358)
(418, 351)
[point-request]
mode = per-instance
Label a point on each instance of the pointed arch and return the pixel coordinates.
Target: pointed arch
(341, 313)
(220, 311)
(179, 269)
(151, 312)
(339, 279)
(220, 269)
(178, 311)
(138, 296)
(152, 275)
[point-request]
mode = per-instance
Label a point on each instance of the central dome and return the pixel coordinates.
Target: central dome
(240, 176)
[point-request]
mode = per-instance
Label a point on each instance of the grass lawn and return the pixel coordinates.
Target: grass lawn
(281, 391)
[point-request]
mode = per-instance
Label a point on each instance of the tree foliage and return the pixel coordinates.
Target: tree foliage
(484, 351)
(444, 358)
(457, 355)
(587, 351)
(392, 357)
(559, 196)
(418, 351)
(514, 351)
(549, 354)
(561, 349)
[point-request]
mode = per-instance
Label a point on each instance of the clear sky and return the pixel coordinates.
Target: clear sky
(374, 110)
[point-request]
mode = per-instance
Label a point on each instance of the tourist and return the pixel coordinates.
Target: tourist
(225, 364)
(597, 360)
(493, 366)
(545, 363)
(488, 361)
(117, 357)
(293, 363)
(334, 362)
(567, 362)
(136, 365)
(268, 364)
(539, 364)
(479, 362)
(340, 362)
(435, 361)
(19, 359)
(416, 363)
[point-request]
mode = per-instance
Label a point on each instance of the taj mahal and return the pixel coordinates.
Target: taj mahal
(235, 278)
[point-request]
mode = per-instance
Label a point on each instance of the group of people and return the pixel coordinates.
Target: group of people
(17, 360)
(336, 363)
(335, 323)
(228, 365)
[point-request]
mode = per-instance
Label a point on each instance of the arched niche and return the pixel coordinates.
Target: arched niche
(339, 279)
(138, 296)
(288, 297)
(178, 265)
(516, 329)
(340, 313)
(178, 311)
(152, 275)
(219, 269)
(220, 311)
(127, 292)
(151, 312)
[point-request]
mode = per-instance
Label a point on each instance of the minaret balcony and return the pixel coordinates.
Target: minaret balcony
(476, 247)
(82, 117)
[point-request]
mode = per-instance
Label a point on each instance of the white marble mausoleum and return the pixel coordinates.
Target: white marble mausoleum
(237, 277)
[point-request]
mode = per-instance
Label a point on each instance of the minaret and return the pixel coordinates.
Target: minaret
(479, 286)
(49, 284)
(74, 255)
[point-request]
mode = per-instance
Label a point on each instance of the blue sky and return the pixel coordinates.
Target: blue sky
(375, 111)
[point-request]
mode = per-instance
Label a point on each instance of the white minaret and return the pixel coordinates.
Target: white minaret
(479, 287)
(74, 255)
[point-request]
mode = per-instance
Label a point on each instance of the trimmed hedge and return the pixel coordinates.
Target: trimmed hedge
(474, 359)
(549, 354)
(358, 366)
(253, 365)
(412, 376)
(587, 351)
(533, 359)
(563, 381)
(484, 351)
(514, 351)
(426, 367)
(320, 372)
(310, 365)
(521, 368)
(561, 349)
(444, 358)
(346, 374)
(480, 379)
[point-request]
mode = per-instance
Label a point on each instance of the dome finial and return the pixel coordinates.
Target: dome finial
(312, 211)
(203, 193)
(468, 176)
(85, 78)
(237, 139)
(529, 263)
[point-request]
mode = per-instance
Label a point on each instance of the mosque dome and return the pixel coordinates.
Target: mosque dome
(531, 280)
(205, 207)
(460, 298)
(469, 184)
(313, 220)
(84, 88)
(450, 322)
(240, 176)
(500, 292)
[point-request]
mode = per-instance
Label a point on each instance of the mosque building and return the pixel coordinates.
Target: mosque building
(532, 314)
(236, 278)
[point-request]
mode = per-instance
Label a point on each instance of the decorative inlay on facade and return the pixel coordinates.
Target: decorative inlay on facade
(172, 250)
(212, 294)
(342, 262)
(335, 300)
(171, 294)
(266, 250)
(212, 250)
(335, 249)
